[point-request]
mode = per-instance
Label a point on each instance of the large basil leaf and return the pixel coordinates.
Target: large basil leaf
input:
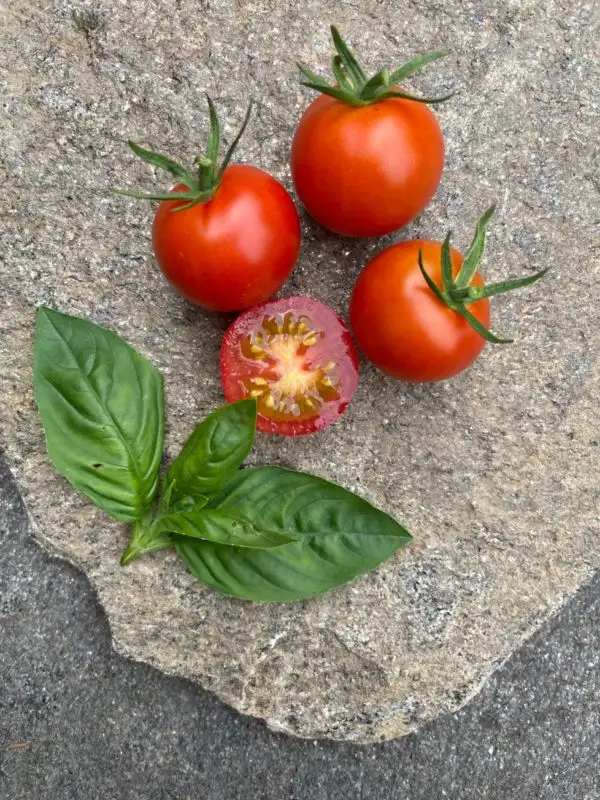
(222, 527)
(214, 451)
(338, 536)
(101, 406)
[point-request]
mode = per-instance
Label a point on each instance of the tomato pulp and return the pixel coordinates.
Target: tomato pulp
(399, 323)
(234, 250)
(366, 171)
(297, 358)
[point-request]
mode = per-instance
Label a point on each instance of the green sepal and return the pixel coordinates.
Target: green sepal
(345, 97)
(475, 251)
(415, 65)
(407, 96)
(235, 142)
(195, 198)
(378, 83)
(311, 76)
(207, 179)
(479, 327)
(458, 292)
(214, 137)
(447, 262)
(506, 286)
(166, 164)
(356, 89)
(430, 282)
(337, 68)
(354, 71)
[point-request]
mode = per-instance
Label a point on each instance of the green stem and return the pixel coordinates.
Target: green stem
(470, 295)
(146, 537)
(206, 174)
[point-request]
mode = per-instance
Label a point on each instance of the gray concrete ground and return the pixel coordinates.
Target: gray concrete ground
(77, 722)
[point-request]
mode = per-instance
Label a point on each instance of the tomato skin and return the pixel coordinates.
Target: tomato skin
(370, 170)
(335, 347)
(235, 250)
(402, 327)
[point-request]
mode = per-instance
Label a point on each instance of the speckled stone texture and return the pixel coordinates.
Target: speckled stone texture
(496, 472)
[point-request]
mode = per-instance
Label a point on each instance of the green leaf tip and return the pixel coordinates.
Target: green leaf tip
(215, 450)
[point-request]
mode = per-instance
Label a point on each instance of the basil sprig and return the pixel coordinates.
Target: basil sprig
(263, 534)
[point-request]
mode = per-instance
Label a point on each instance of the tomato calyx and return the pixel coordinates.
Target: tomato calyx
(456, 293)
(204, 182)
(355, 88)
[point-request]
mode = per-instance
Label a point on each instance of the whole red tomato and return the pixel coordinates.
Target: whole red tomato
(366, 171)
(235, 250)
(402, 327)
(226, 237)
(366, 157)
(420, 311)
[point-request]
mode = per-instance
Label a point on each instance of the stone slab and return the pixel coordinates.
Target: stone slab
(495, 472)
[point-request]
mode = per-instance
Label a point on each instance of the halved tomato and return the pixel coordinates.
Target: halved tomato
(297, 358)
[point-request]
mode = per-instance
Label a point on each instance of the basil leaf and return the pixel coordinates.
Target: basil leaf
(101, 405)
(214, 451)
(338, 536)
(189, 503)
(186, 502)
(222, 527)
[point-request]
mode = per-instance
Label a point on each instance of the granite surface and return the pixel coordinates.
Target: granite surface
(495, 472)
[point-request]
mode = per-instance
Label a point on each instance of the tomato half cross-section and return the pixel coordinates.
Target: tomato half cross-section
(297, 358)
(227, 236)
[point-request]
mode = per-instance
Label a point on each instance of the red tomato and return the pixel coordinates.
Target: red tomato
(366, 171)
(296, 357)
(234, 250)
(399, 323)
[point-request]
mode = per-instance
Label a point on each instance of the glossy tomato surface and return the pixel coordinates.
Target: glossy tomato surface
(297, 358)
(235, 250)
(402, 327)
(370, 170)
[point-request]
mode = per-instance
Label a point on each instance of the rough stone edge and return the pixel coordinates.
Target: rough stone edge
(475, 686)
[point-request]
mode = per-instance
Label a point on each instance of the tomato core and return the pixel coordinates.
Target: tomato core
(294, 384)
